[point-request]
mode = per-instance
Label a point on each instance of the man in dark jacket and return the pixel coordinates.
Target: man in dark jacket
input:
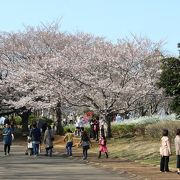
(35, 135)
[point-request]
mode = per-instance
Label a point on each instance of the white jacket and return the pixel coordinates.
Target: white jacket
(165, 149)
(177, 144)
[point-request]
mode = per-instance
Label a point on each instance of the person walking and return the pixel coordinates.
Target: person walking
(102, 133)
(29, 150)
(165, 152)
(7, 139)
(177, 148)
(78, 129)
(35, 135)
(96, 129)
(48, 140)
(103, 146)
(69, 138)
(85, 143)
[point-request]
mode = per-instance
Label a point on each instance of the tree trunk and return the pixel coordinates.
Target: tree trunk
(143, 111)
(25, 116)
(108, 119)
(60, 130)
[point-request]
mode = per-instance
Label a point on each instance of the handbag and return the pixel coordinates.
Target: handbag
(12, 136)
(85, 143)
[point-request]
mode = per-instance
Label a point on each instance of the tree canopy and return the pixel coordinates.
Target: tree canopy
(47, 68)
(170, 81)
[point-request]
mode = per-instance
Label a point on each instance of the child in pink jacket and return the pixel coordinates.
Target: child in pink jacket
(102, 146)
(165, 152)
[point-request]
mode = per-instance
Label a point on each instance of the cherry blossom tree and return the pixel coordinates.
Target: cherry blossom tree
(50, 69)
(24, 52)
(111, 78)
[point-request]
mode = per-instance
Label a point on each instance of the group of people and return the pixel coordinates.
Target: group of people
(165, 151)
(85, 142)
(97, 128)
(35, 138)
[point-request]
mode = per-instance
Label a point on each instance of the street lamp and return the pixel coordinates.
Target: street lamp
(178, 46)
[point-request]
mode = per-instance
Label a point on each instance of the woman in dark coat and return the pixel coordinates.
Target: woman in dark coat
(7, 139)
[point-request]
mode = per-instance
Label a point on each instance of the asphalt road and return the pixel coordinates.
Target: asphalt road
(21, 166)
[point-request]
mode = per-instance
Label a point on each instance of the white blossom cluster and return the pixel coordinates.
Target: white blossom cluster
(45, 67)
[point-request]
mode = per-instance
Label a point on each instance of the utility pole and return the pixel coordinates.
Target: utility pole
(178, 46)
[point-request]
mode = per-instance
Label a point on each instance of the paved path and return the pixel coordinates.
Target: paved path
(123, 166)
(21, 166)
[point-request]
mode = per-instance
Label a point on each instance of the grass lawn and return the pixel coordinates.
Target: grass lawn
(137, 149)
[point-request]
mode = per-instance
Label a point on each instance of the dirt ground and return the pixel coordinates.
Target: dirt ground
(137, 170)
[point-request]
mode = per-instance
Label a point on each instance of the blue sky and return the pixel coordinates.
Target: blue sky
(112, 19)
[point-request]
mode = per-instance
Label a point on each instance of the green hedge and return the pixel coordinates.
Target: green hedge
(129, 130)
(33, 119)
(155, 130)
(122, 130)
(18, 120)
(149, 130)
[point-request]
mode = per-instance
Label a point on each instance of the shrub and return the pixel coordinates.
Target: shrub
(70, 126)
(140, 129)
(148, 125)
(33, 119)
(123, 130)
(155, 130)
(87, 129)
(149, 119)
(18, 120)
